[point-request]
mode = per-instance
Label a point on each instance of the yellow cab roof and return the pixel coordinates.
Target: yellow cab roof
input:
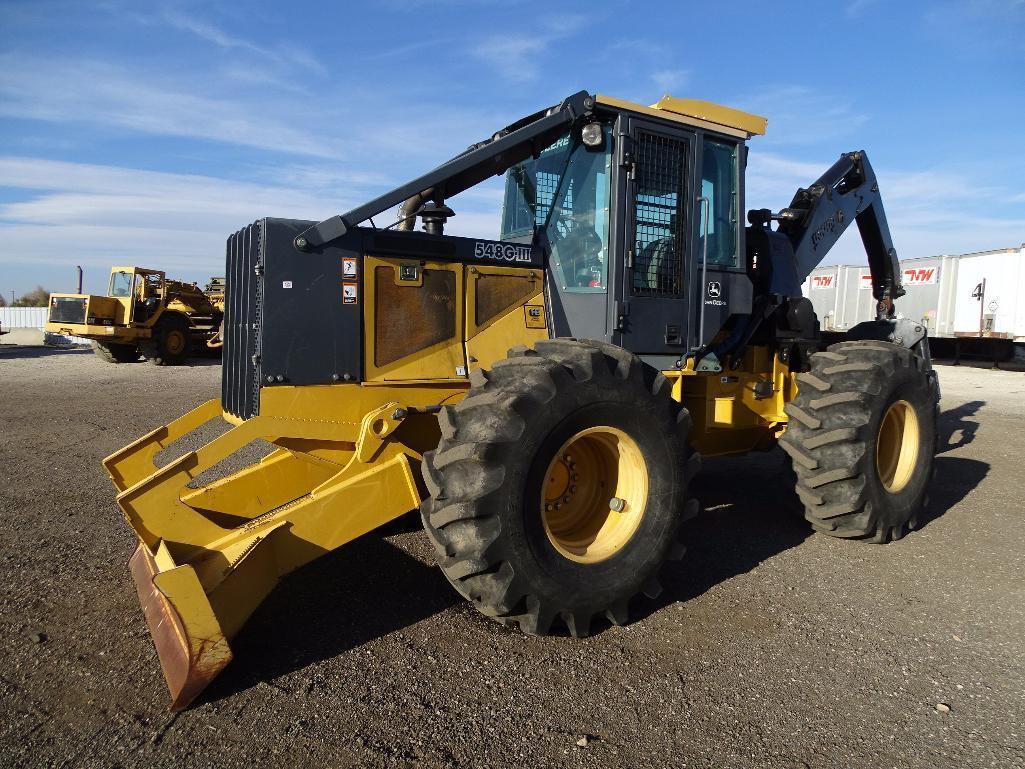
(698, 113)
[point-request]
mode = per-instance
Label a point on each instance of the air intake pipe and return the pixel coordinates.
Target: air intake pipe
(409, 207)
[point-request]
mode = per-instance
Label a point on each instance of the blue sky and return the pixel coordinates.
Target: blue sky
(146, 132)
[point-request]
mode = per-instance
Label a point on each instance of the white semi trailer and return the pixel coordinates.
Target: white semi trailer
(972, 304)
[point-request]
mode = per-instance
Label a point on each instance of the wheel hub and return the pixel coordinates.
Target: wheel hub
(897, 446)
(594, 495)
(175, 342)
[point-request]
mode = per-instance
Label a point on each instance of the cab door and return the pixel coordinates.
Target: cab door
(652, 301)
(719, 278)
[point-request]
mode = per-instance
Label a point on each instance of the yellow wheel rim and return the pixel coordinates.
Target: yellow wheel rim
(595, 494)
(897, 446)
(175, 342)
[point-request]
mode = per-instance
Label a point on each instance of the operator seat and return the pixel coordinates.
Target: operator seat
(657, 261)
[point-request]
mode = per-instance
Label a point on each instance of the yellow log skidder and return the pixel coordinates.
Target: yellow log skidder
(543, 398)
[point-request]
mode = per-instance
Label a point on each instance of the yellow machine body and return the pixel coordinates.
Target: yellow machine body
(344, 460)
(116, 318)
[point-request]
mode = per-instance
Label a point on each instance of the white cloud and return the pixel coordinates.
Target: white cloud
(100, 215)
(102, 94)
(211, 33)
(858, 7)
(669, 80)
(404, 131)
(520, 58)
(801, 115)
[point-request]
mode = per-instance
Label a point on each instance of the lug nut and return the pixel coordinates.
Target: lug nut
(566, 498)
(617, 505)
(558, 506)
(548, 507)
(572, 489)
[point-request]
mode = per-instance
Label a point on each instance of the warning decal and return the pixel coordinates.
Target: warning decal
(349, 267)
(350, 293)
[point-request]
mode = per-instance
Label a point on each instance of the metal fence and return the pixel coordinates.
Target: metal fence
(23, 317)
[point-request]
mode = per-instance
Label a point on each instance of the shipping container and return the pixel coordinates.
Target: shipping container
(980, 295)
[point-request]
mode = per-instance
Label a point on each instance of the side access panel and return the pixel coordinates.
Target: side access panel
(413, 326)
(505, 307)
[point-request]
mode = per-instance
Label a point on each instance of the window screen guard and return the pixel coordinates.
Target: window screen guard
(659, 198)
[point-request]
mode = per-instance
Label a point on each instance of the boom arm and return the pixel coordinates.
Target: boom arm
(523, 139)
(819, 215)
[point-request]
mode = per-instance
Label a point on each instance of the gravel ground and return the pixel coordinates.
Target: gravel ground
(771, 647)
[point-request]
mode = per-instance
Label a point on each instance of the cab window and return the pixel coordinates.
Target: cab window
(120, 284)
(147, 285)
(565, 193)
(719, 186)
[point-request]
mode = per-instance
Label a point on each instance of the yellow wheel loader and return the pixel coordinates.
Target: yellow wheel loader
(144, 313)
(543, 398)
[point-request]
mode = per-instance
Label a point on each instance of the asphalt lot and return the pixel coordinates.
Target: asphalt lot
(771, 647)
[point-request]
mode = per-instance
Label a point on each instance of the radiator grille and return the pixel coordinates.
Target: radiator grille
(240, 373)
(67, 309)
(659, 231)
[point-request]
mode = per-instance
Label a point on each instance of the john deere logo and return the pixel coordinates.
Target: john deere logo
(714, 289)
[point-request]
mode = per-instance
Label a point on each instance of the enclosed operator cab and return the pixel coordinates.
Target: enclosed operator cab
(138, 290)
(641, 213)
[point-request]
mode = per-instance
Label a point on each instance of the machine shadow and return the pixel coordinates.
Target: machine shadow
(954, 479)
(17, 351)
(741, 524)
(956, 421)
(361, 592)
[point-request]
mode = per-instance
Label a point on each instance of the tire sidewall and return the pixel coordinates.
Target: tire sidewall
(914, 387)
(165, 328)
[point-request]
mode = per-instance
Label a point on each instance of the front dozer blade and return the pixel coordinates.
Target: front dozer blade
(209, 553)
(191, 647)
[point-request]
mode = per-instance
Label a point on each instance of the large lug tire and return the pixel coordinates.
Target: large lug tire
(559, 485)
(862, 437)
(116, 353)
(170, 343)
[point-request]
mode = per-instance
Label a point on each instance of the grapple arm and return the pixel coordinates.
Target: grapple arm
(819, 215)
